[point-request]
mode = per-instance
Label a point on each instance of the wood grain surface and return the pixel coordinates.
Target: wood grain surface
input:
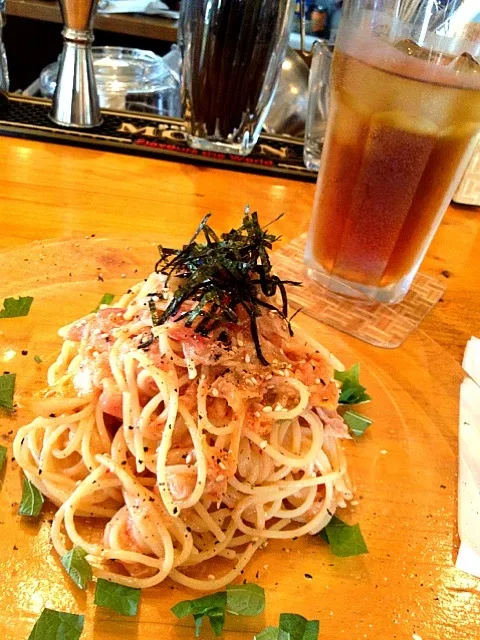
(405, 468)
(53, 191)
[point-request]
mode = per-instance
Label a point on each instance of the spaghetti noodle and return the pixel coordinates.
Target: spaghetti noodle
(186, 448)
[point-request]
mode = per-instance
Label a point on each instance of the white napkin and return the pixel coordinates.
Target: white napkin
(469, 463)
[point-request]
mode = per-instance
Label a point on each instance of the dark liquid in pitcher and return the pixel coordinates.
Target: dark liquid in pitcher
(228, 47)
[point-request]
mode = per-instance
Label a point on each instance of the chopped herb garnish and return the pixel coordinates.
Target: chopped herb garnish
(239, 599)
(117, 597)
(298, 627)
(227, 276)
(272, 633)
(352, 392)
(16, 307)
(212, 606)
(7, 389)
(77, 567)
(344, 539)
(356, 422)
(38, 359)
(3, 456)
(245, 599)
(32, 499)
(107, 298)
(56, 625)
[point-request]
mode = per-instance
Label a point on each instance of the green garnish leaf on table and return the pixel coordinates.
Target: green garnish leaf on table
(212, 606)
(245, 599)
(3, 456)
(107, 298)
(38, 359)
(16, 307)
(239, 600)
(272, 633)
(344, 539)
(7, 389)
(117, 597)
(356, 422)
(56, 625)
(351, 392)
(227, 276)
(32, 499)
(77, 567)
(298, 627)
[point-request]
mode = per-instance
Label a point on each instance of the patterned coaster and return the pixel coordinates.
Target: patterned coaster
(373, 322)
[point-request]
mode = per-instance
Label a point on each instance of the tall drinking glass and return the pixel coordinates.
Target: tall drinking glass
(232, 55)
(404, 120)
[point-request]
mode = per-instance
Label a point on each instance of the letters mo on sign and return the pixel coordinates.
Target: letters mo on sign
(175, 134)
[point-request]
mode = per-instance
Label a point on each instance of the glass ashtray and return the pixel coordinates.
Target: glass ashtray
(132, 79)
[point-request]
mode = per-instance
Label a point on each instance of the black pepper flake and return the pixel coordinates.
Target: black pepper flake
(24, 352)
(40, 471)
(443, 486)
(175, 511)
(308, 576)
(124, 462)
(53, 415)
(15, 548)
(145, 449)
(189, 529)
(257, 575)
(10, 432)
(131, 427)
(150, 499)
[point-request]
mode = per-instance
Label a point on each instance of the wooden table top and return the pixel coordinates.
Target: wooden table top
(52, 191)
(404, 467)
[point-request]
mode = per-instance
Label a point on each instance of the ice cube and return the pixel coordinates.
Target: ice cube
(411, 48)
(466, 63)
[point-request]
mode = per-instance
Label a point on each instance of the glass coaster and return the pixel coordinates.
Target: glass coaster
(373, 322)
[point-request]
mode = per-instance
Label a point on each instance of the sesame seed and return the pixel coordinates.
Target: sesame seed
(257, 414)
(222, 465)
(317, 380)
(215, 392)
(211, 576)
(240, 343)
(279, 407)
(269, 377)
(247, 359)
(220, 477)
(287, 373)
(267, 409)
(263, 444)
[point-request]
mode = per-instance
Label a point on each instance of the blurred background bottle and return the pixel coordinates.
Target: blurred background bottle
(3, 57)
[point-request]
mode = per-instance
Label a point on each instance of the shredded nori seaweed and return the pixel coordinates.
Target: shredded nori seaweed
(221, 275)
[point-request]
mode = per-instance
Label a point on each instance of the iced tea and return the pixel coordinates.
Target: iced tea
(401, 131)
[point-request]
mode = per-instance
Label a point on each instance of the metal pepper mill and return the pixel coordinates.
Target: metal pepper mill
(75, 101)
